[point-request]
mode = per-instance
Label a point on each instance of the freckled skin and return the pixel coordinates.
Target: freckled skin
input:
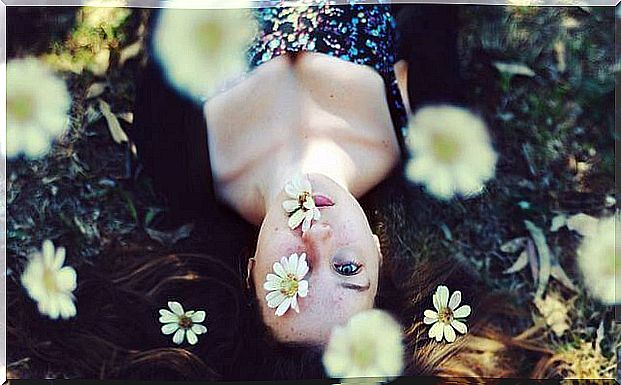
(343, 230)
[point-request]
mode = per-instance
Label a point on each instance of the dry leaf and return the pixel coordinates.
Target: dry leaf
(514, 69)
(514, 245)
(95, 90)
(559, 274)
(545, 257)
(555, 311)
(118, 135)
(130, 52)
(519, 264)
(127, 116)
(532, 260)
(171, 237)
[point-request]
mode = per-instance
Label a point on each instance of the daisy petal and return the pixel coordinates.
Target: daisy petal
(437, 331)
(199, 329)
(192, 339)
(296, 219)
(293, 263)
(178, 337)
(430, 314)
(455, 300)
(306, 224)
(294, 304)
(273, 278)
(449, 333)
(436, 302)
(275, 300)
(291, 191)
(285, 263)
(198, 317)
(459, 326)
(302, 267)
(290, 205)
(462, 311)
(167, 316)
(59, 259)
(429, 321)
(170, 328)
(303, 288)
(283, 307)
(271, 285)
(442, 294)
(48, 252)
(176, 308)
(279, 270)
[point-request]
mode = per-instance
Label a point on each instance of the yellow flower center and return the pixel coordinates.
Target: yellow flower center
(20, 107)
(362, 353)
(211, 36)
(49, 280)
(445, 315)
(185, 322)
(289, 286)
(445, 148)
(303, 197)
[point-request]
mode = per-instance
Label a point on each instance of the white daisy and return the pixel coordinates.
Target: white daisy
(201, 49)
(448, 317)
(49, 283)
(301, 207)
(182, 323)
(37, 107)
(370, 345)
(599, 259)
(451, 151)
(287, 284)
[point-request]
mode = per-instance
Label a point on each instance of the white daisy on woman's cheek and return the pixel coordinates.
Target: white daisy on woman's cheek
(185, 324)
(451, 151)
(301, 205)
(448, 317)
(200, 49)
(370, 345)
(287, 284)
(49, 283)
(37, 107)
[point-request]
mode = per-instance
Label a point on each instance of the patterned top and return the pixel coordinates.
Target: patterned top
(361, 34)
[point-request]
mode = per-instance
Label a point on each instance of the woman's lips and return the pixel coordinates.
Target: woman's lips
(322, 201)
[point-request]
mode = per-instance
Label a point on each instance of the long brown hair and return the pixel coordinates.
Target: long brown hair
(117, 335)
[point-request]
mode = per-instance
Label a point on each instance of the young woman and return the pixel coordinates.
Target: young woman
(323, 107)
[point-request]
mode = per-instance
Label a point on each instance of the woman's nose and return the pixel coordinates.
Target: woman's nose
(317, 238)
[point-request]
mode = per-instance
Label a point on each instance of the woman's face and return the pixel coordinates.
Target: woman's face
(343, 257)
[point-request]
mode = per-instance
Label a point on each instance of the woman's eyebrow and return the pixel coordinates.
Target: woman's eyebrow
(353, 286)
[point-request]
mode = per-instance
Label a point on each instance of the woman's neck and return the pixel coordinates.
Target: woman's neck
(321, 158)
(320, 116)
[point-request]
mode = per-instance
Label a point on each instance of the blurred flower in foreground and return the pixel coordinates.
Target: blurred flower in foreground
(451, 151)
(370, 345)
(599, 259)
(201, 49)
(37, 107)
(49, 283)
(182, 323)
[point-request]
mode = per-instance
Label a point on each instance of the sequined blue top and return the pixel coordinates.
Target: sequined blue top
(361, 34)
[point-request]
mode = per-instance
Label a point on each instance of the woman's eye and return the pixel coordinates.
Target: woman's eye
(349, 268)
